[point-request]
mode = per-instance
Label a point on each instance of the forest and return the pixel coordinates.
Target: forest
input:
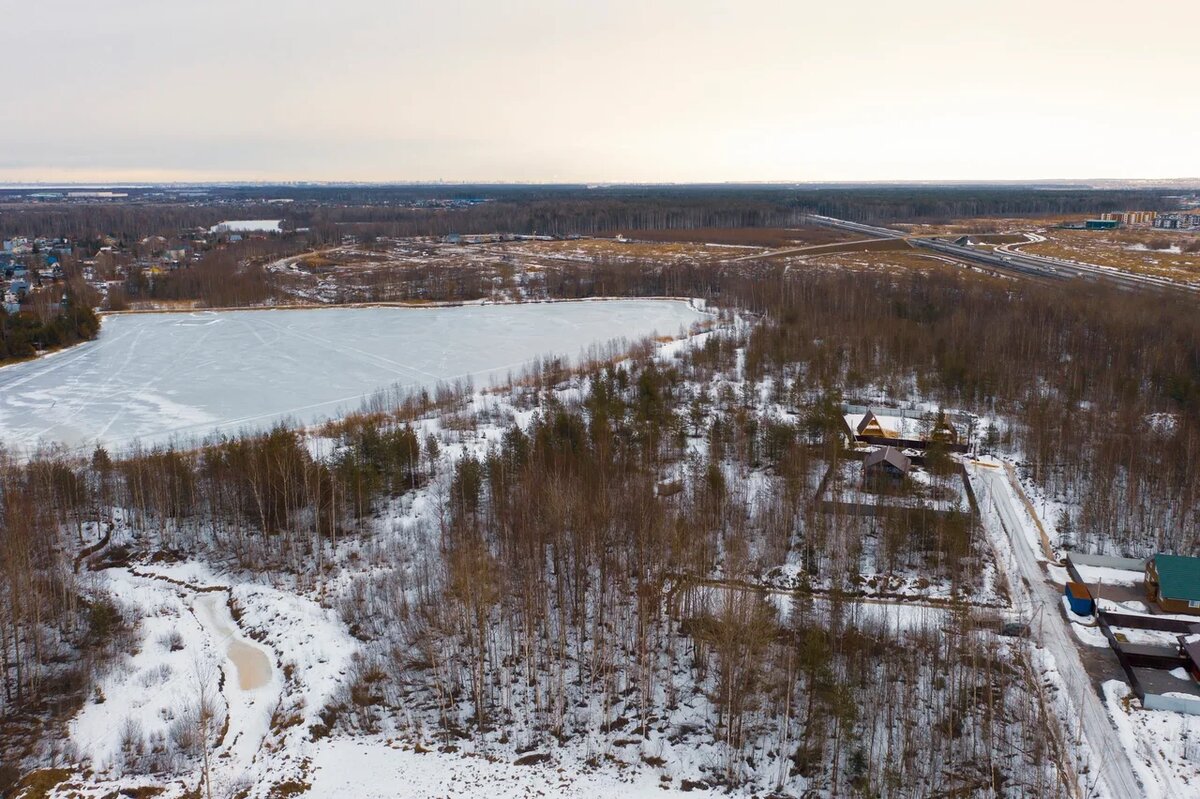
(329, 212)
(556, 589)
(23, 335)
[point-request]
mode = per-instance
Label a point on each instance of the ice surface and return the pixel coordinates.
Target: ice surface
(247, 226)
(151, 377)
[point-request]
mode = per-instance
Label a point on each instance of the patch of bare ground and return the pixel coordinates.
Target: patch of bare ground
(898, 261)
(1163, 253)
(986, 225)
(746, 237)
(859, 245)
(618, 250)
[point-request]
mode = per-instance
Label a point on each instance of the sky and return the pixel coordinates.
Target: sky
(598, 91)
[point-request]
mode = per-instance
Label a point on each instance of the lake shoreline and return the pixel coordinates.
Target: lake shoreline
(697, 303)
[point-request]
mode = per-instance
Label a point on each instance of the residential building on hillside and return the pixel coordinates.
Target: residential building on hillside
(885, 468)
(1173, 583)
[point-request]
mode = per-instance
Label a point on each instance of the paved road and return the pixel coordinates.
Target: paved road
(1012, 261)
(1035, 596)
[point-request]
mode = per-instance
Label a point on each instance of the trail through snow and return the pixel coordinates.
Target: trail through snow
(251, 662)
(1035, 596)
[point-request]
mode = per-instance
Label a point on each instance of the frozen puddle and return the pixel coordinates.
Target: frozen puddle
(251, 662)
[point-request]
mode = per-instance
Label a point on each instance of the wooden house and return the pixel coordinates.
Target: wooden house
(1173, 583)
(943, 431)
(887, 467)
(901, 429)
(869, 426)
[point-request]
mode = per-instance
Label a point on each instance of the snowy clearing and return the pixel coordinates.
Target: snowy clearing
(247, 226)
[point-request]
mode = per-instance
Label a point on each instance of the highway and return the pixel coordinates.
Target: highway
(1009, 261)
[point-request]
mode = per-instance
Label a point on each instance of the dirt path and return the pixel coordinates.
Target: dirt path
(251, 698)
(251, 662)
(1034, 595)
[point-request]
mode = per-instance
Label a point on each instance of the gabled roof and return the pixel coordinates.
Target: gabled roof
(1178, 577)
(871, 419)
(888, 455)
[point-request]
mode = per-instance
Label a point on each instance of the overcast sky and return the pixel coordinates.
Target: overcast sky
(533, 90)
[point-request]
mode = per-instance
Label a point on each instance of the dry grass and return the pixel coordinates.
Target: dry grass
(588, 249)
(989, 225)
(908, 260)
(1123, 249)
(861, 245)
(746, 237)
(40, 783)
(1137, 250)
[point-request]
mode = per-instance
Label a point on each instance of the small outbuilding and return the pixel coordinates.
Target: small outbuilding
(1173, 583)
(1080, 599)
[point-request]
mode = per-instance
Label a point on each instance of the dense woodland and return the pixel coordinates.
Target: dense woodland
(54, 323)
(533, 608)
(331, 212)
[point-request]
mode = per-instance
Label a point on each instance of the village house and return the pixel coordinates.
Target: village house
(1173, 583)
(886, 468)
(870, 425)
(902, 429)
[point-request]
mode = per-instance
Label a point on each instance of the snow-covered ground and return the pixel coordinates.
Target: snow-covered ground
(189, 645)
(247, 226)
(152, 377)
(377, 770)
(272, 745)
(1164, 746)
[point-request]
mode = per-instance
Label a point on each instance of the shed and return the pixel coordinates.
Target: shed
(1173, 582)
(1080, 599)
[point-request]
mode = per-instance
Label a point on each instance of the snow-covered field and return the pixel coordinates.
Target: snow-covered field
(152, 377)
(247, 226)
(376, 770)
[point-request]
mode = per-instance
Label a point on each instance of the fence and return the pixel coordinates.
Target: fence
(1150, 622)
(1176, 703)
(1108, 561)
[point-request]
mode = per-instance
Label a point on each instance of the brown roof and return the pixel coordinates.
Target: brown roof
(1191, 649)
(1079, 590)
(888, 455)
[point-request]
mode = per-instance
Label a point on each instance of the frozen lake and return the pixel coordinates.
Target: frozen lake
(152, 377)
